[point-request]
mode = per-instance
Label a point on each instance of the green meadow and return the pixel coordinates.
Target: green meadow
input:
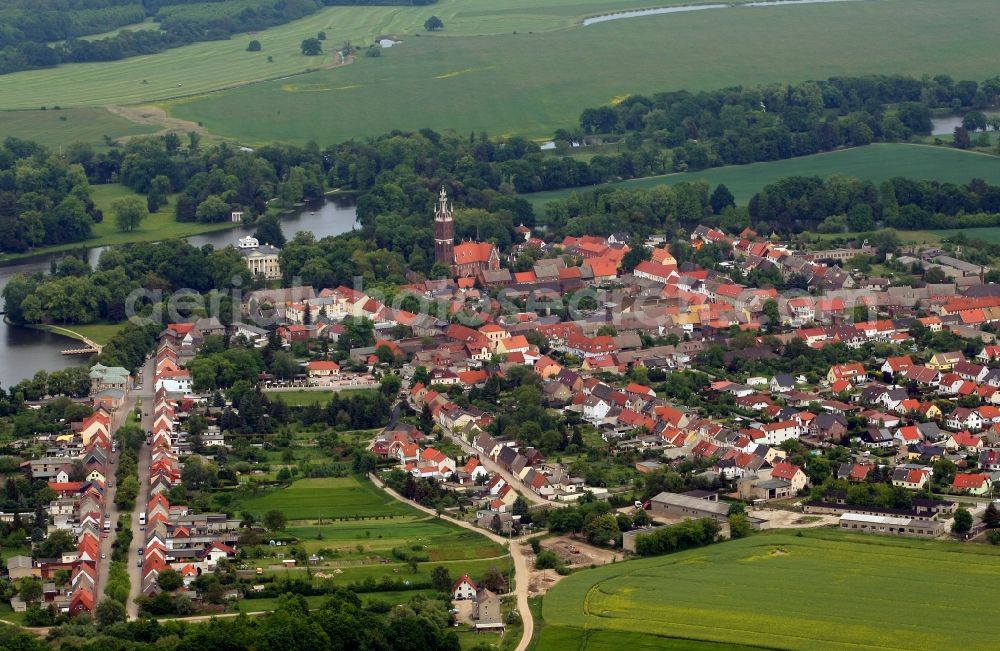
(442, 540)
(327, 498)
(363, 535)
(873, 163)
(820, 590)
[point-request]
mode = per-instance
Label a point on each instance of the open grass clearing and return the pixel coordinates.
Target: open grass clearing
(873, 163)
(986, 233)
(329, 497)
(302, 397)
(100, 333)
(160, 225)
(316, 601)
(533, 82)
(396, 572)
(821, 590)
(439, 540)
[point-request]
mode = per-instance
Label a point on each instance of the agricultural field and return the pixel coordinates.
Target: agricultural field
(208, 66)
(327, 498)
(515, 66)
(820, 590)
(532, 83)
(874, 163)
(58, 128)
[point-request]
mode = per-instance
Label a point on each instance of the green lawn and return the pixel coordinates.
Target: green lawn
(874, 162)
(441, 540)
(330, 497)
(7, 614)
(301, 398)
(987, 233)
(160, 225)
(98, 332)
(396, 571)
(530, 82)
(823, 590)
(269, 604)
(56, 129)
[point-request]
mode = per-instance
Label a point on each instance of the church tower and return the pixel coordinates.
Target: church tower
(444, 231)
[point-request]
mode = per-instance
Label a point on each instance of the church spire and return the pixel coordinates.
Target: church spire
(444, 230)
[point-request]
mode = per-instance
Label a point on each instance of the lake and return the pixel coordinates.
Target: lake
(26, 350)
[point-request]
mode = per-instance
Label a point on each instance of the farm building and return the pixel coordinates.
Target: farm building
(890, 524)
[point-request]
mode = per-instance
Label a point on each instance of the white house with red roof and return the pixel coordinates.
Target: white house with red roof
(912, 478)
(174, 381)
(464, 588)
(322, 369)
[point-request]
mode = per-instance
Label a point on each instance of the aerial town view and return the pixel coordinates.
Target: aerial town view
(514, 325)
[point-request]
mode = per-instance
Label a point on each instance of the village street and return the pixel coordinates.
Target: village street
(138, 534)
(517, 552)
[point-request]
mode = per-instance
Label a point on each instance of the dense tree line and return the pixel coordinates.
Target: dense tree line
(75, 293)
(341, 622)
(790, 205)
(678, 537)
(44, 199)
(29, 28)
(43, 21)
(733, 126)
(839, 204)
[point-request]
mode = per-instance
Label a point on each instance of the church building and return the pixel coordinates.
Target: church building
(468, 259)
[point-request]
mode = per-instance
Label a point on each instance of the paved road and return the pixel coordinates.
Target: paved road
(138, 535)
(514, 545)
(394, 417)
(110, 509)
(494, 467)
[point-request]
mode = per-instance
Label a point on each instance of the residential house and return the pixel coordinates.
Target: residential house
(972, 483)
